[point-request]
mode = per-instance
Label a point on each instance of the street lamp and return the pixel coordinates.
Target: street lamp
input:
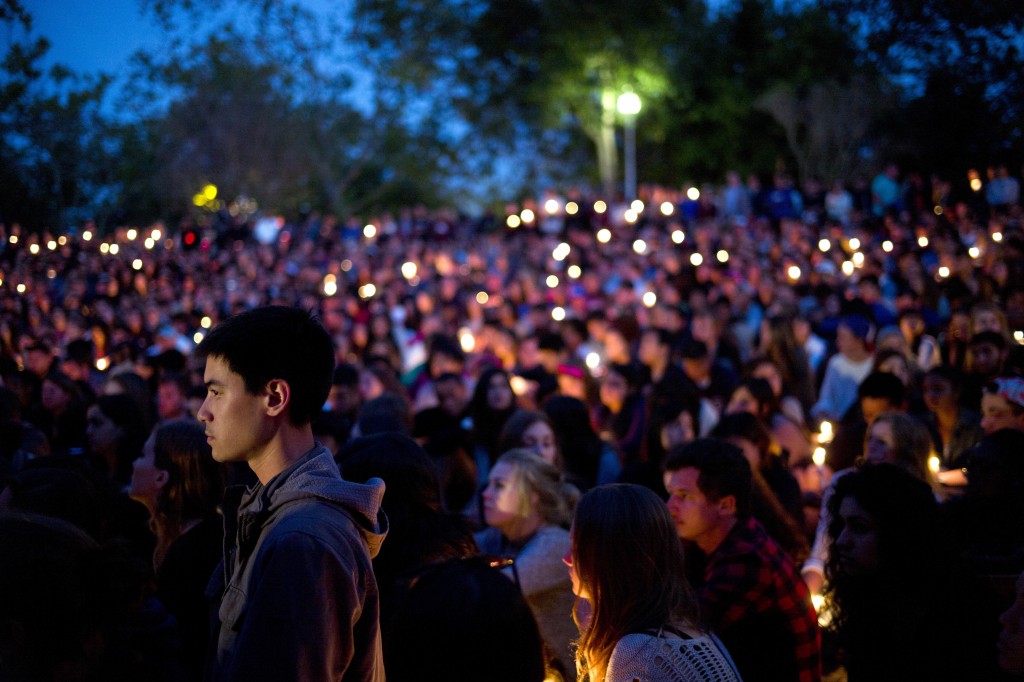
(628, 105)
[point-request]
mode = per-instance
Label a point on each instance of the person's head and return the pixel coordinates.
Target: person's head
(884, 523)
(911, 324)
(749, 434)
(524, 493)
(754, 396)
(389, 412)
(892, 361)
(988, 317)
(941, 389)
(172, 396)
(1002, 405)
(853, 336)
(880, 392)
(452, 395)
(626, 560)
(709, 483)
(266, 369)
(986, 353)
(115, 432)
(995, 469)
(697, 360)
(765, 368)
(343, 397)
(655, 346)
(59, 391)
(1011, 640)
(376, 379)
(532, 430)
(899, 439)
(493, 391)
(177, 478)
(461, 617)
(617, 384)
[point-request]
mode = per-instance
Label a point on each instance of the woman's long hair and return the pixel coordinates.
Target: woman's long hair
(195, 482)
(487, 422)
(629, 561)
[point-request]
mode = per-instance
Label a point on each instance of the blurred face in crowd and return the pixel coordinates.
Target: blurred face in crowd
(986, 359)
(451, 396)
(872, 406)
(742, 400)
(147, 479)
(997, 413)
(343, 399)
(170, 401)
(499, 393)
(770, 373)
(101, 432)
(986, 321)
(897, 366)
(857, 542)
(846, 341)
(613, 391)
(541, 439)
(879, 444)
(939, 394)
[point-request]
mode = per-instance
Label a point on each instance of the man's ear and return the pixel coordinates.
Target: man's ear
(279, 395)
(727, 505)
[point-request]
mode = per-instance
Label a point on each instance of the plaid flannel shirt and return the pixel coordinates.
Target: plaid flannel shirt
(750, 576)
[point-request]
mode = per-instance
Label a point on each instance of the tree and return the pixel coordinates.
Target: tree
(53, 148)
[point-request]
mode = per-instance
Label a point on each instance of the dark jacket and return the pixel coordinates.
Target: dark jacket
(298, 598)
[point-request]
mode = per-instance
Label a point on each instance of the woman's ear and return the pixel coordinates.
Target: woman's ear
(161, 477)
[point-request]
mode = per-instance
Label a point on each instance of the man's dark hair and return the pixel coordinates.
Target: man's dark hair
(723, 470)
(80, 351)
(345, 374)
(664, 336)
(994, 338)
(446, 377)
(277, 342)
(883, 385)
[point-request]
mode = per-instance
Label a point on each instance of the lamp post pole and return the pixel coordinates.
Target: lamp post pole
(628, 105)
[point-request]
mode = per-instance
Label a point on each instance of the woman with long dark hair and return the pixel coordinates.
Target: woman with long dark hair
(626, 562)
(179, 482)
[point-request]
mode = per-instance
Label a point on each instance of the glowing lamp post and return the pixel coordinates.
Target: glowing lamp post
(628, 105)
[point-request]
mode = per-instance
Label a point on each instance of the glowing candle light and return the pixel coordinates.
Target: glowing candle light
(650, 298)
(137, 264)
(667, 208)
(793, 272)
(678, 236)
(552, 281)
(819, 456)
(558, 314)
(693, 194)
(934, 464)
(854, 244)
(131, 234)
(600, 206)
(114, 248)
(370, 231)
(198, 338)
(409, 269)
(943, 272)
(640, 246)
(696, 259)
(102, 364)
(824, 245)
(922, 241)
(527, 215)
(572, 208)
(887, 246)
(574, 272)
(997, 236)
(593, 360)
(482, 297)
(604, 235)
(722, 256)
(206, 322)
(630, 215)
(467, 340)
(513, 221)
(551, 206)
(847, 268)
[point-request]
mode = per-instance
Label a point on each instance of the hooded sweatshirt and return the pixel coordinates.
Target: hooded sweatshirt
(298, 599)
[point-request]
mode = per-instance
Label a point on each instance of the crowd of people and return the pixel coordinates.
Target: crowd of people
(745, 432)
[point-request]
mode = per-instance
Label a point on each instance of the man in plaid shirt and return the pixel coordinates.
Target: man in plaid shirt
(751, 595)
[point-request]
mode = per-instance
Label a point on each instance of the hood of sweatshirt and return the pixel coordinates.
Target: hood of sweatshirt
(315, 476)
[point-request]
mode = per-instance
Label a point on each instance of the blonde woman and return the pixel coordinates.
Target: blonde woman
(527, 507)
